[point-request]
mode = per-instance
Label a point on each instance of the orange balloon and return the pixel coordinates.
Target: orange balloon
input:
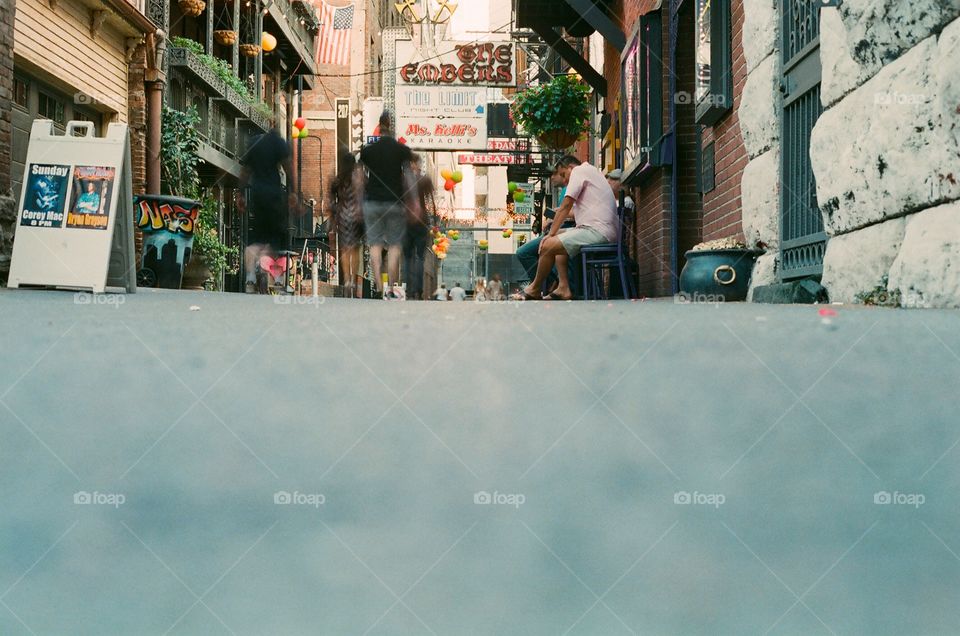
(268, 42)
(446, 174)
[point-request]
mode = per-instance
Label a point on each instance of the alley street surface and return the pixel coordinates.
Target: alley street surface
(196, 463)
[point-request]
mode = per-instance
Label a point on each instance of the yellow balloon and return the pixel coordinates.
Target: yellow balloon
(268, 42)
(446, 174)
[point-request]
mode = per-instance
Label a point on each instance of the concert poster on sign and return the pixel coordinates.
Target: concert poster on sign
(45, 195)
(92, 192)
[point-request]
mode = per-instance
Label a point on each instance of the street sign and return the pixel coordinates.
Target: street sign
(458, 64)
(442, 118)
(526, 207)
(75, 222)
(493, 159)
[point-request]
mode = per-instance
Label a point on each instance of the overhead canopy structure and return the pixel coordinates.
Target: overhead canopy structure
(579, 18)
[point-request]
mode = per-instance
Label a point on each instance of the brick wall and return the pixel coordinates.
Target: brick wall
(721, 206)
(319, 151)
(650, 231)
(137, 118)
(7, 209)
(6, 90)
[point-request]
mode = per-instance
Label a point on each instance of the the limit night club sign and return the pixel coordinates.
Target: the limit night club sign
(460, 64)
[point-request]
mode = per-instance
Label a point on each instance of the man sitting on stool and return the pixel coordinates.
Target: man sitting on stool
(591, 201)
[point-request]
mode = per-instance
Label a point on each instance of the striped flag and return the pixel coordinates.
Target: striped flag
(333, 41)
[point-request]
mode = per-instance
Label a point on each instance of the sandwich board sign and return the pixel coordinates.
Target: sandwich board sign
(75, 221)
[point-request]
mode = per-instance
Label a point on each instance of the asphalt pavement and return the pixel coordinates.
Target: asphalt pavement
(199, 463)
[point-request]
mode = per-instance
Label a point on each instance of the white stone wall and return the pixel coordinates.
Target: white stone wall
(886, 152)
(759, 115)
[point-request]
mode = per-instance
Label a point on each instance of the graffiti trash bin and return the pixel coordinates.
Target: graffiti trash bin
(167, 224)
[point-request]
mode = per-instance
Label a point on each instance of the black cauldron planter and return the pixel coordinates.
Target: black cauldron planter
(718, 275)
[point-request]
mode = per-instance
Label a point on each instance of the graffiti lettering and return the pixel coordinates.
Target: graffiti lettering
(154, 216)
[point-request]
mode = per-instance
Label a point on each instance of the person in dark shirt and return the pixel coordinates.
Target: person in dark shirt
(262, 162)
(417, 239)
(384, 211)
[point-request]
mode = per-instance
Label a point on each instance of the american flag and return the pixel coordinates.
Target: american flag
(333, 41)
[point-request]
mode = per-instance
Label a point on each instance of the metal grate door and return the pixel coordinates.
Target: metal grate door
(802, 239)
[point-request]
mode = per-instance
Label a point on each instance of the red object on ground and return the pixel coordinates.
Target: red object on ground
(826, 312)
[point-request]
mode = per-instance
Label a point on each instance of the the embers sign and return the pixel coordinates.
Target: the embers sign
(468, 64)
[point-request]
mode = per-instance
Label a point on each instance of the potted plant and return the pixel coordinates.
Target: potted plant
(556, 113)
(225, 37)
(192, 8)
(718, 271)
(250, 50)
(210, 257)
(193, 223)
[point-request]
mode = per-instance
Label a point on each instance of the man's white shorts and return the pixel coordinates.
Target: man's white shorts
(578, 237)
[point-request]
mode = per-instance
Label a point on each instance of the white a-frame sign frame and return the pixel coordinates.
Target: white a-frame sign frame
(75, 221)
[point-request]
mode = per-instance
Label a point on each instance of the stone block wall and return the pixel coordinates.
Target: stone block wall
(758, 113)
(886, 152)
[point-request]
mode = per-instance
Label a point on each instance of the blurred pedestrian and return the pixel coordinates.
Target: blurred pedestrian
(384, 212)
(495, 289)
(346, 219)
(267, 201)
(480, 291)
(441, 293)
(420, 209)
(458, 293)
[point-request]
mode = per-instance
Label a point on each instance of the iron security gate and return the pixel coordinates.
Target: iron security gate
(802, 239)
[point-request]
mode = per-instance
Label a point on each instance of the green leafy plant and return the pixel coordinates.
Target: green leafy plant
(264, 109)
(561, 106)
(214, 253)
(178, 154)
(179, 163)
(222, 69)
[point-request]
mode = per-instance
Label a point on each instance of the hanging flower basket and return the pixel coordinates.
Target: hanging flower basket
(557, 113)
(250, 50)
(226, 37)
(192, 8)
(557, 139)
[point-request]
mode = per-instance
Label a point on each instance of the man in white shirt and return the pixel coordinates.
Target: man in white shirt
(441, 293)
(590, 199)
(458, 293)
